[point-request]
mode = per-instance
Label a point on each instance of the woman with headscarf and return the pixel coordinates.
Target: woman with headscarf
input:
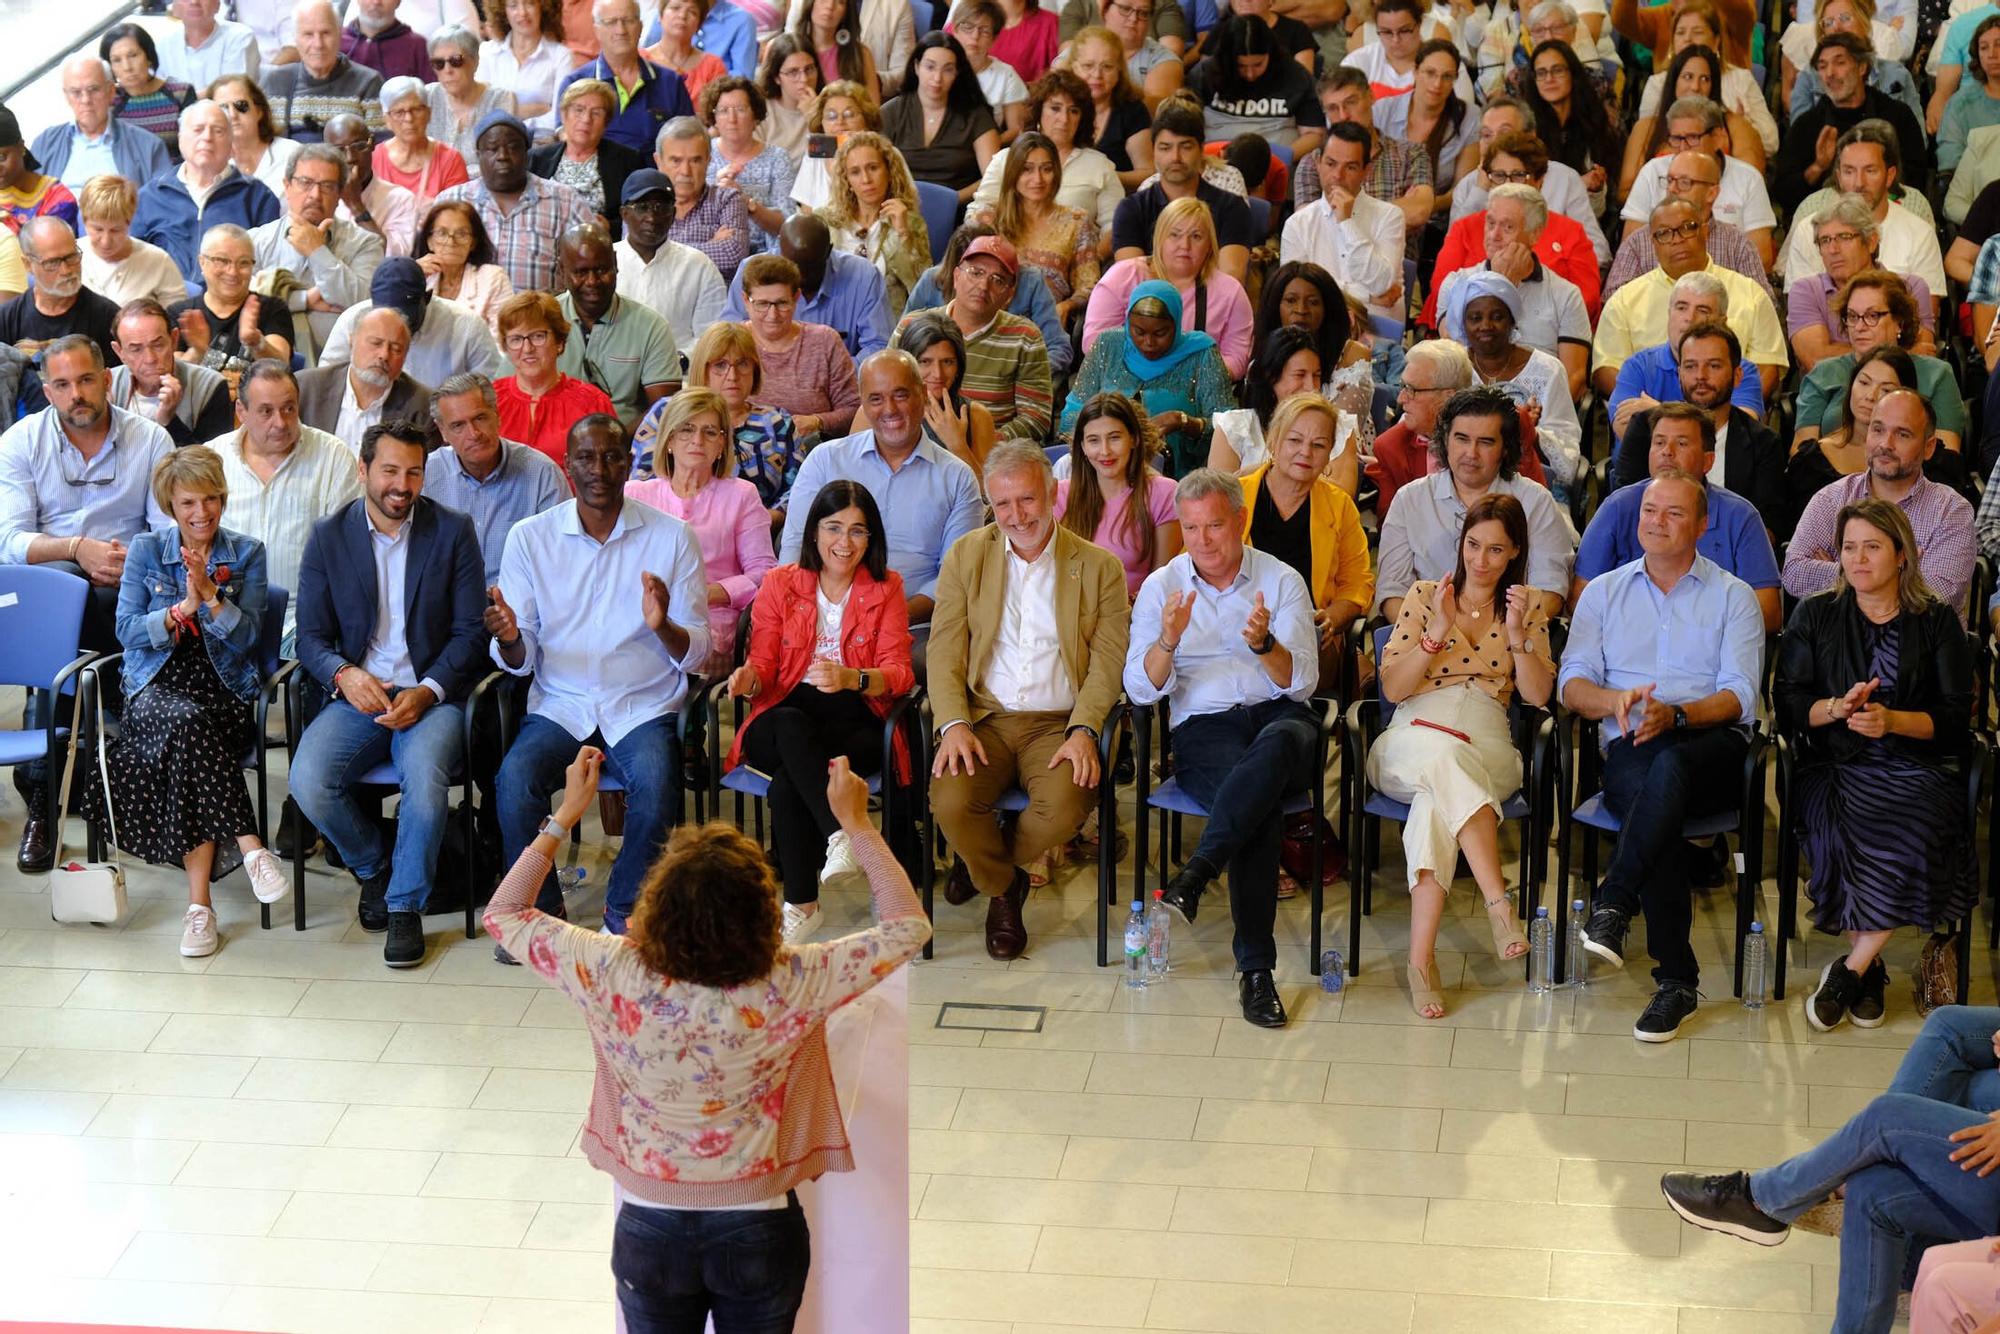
(1481, 310)
(1177, 375)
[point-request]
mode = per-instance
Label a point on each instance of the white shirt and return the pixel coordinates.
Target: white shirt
(1026, 672)
(595, 665)
(1002, 85)
(277, 160)
(1089, 183)
(270, 21)
(1908, 245)
(230, 49)
(387, 658)
(1741, 201)
(453, 339)
(826, 638)
(532, 81)
(1363, 253)
(315, 479)
(425, 17)
(679, 282)
(394, 210)
(1373, 60)
(355, 419)
(147, 271)
(1714, 474)
(200, 193)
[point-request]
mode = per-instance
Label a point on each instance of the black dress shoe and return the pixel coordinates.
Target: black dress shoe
(373, 909)
(37, 852)
(1006, 934)
(1259, 997)
(405, 946)
(958, 886)
(1183, 893)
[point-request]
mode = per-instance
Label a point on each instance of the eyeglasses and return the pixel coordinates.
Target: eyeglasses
(1837, 238)
(1413, 390)
(965, 30)
(1550, 73)
(1392, 33)
(230, 265)
(409, 111)
(984, 276)
(241, 106)
(74, 259)
(308, 183)
(764, 307)
(692, 432)
(86, 481)
(454, 235)
(1681, 184)
(447, 62)
(1510, 177)
(618, 22)
(1548, 31)
(834, 531)
(1687, 140)
(797, 72)
(1864, 319)
(1662, 235)
(517, 342)
(1131, 11)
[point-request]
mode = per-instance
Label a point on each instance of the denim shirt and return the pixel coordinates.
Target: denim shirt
(155, 580)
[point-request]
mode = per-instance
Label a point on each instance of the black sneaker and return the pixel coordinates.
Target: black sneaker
(1868, 1006)
(1721, 1204)
(1834, 997)
(1665, 1013)
(1182, 896)
(1604, 935)
(373, 910)
(405, 946)
(1708, 866)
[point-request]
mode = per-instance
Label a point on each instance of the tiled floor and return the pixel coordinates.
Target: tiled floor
(287, 1136)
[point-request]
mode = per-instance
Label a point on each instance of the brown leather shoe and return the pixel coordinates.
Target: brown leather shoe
(958, 887)
(37, 849)
(1006, 935)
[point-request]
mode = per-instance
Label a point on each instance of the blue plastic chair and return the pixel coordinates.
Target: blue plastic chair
(1260, 217)
(940, 208)
(1056, 453)
(43, 622)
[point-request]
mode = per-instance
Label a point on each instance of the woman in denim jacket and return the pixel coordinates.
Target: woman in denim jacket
(190, 612)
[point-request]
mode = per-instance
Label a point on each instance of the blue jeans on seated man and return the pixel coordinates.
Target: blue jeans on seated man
(342, 744)
(1952, 1059)
(1241, 764)
(647, 762)
(676, 1267)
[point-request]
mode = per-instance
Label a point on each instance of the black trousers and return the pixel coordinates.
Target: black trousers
(793, 742)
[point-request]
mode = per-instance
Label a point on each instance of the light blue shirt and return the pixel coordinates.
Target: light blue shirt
(525, 483)
(927, 504)
(89, 157)
(48, 489)
(1214, 670)
(1704, 636)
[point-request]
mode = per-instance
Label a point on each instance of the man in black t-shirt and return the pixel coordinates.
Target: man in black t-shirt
(1981, 222)
(57, 305)
(1178, 156)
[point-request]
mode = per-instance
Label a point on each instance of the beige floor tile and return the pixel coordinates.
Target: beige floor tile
(992, 1068)
(240, 1120)
(475, 1270)
(1323, 1124)
(556, 1180)
(1209, 1077)
(435, 1004)
(1703, 1320)
(985, 1153)
(28, 1160)
(1436, 1314)
(1217, 998)
(81, 1030)
(404, 1220)
(271, 955)
(934, 1326)
(1559, 1227)
(40, 1296)
(299, 1167)
(38, 986)
(1074, 1113)
(1198, 1257)
(363, 1082)
(1578, 1053)
(1508, 1010)
(1446, 1175)
(1738, 1144)
(1827, 1062)
(193, 994)
(1135, 1034)
(508, 1315)
(924, 1031)
(1350, 1043)
(1834, 1107)
(1437, 1086)
(342, 1312)
(273, 1261)
(1567, 1136)
(1000, 1247)
(128, 1072)
(963, 1293)
(547, 1008)
(1265, 1166)
(27, 1112)
(932, 1106)
(1654, 1281)
(1242, 1308)
(1605, 1181)
(482, 1044)
(543, 1133)
(73, 947)
(156, 1208)
(1381, 1266)
(572, 1227)
(1059, 1203)
(305, 1039)
(1773, 1100)
(964, 980)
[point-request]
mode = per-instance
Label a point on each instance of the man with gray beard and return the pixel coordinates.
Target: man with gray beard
(346, 400)
(57, 305)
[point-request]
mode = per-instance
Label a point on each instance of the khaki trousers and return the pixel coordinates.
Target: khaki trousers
(1018, 749)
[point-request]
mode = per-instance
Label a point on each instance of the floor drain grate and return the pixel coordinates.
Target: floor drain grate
(992, 1018)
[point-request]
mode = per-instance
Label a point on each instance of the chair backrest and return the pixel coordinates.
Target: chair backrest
(271, 634)
(1382, 407)
(1056, 453)
(940, 208)
(1260, 216)
(41, 620)
(1380, 638)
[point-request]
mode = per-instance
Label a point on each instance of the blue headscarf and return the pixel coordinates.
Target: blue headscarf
(1185, 344)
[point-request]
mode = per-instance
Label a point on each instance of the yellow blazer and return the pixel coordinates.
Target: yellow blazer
(1340, 567)
(1093, 619)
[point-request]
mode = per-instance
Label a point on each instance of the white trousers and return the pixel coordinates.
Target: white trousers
(1443, 780)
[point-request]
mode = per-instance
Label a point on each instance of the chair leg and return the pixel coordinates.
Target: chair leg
(298, 819)
(471, 857)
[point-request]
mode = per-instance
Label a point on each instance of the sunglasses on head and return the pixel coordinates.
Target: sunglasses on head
(444, 62)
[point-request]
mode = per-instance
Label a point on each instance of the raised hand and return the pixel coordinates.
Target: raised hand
(847, 794)
(1517, 612)
(1444, 611)
(194, 332)
(1175, 614)
(579, 786)
(1854, 700)
(247, 332)
(654, 600)
(170, 399)
(499, 617)
(1259, 625)
(201, 587)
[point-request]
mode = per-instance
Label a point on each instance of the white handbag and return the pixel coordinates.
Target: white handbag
(81, 891)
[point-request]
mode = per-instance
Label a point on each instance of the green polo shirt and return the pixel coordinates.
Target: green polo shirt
(631, 347)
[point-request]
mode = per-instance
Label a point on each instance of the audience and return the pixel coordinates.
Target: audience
(623, 347)
(837, 288)
(1522, 238)
(457, 261)
(410, 157)
(178, 207)
(254, 145)
(1849, 242)
(675, 280)
(583, 158)
(93, 143)
(1288, 365)
(206, 47)
(1433, 371)
(1817, 461)
(332, 259)
(189, 401)
(1118, 114)
(1652, 374)
(376, 39)
(873, 215)
(26, 194)
(1561, 186)
(522, 212)
(1350, 233)
(1694, 177)
(806, 367)
(345, 400)
(1870, 166)
(1031, 299)
(760, 169)
(1741, 200)
(1186, 255)
(1059, 110)
(1177, 155)
(1877, 310)
(447, 337)
(1398, 172)
(323, 82)
(1119, 501)
(1807, 157)
(962, 428)
(1006, 365)
(525, 55)
(539, 402)
(649, 97)
(1483, 310)
(145, 100)
(494, 481)
(458, 100)
(228, 326)
(940, 120)
(1178, 377)
(767, 452)
(56, 306)
(711, 218)
(387, 210)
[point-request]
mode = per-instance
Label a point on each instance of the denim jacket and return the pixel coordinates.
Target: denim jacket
(155, 580)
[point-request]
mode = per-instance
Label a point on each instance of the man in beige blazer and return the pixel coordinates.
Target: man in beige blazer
(1026, 648)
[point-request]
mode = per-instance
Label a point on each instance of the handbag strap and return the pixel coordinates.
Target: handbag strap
(104, 764)
(69, 768)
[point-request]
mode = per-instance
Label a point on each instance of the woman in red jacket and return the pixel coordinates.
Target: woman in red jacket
(829, 650)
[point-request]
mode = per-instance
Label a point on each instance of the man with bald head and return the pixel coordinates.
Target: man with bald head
(1696, 177)
(334, 259)
(676, 280)
(322, 83)
(93, 142)
(177, 207)
(618, 345)
(928, 497)
(837, 289)
(345, 401)
(649, 95)
(58, 304)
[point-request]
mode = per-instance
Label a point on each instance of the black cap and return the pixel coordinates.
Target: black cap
(10, 137)
(645, 182)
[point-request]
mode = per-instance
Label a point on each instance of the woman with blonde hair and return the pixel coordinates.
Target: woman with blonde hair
(841, 108)
(1122, 120)
(1059, 241)
(1184, 254)
(873, 213)
(767, 452)
(116, 265)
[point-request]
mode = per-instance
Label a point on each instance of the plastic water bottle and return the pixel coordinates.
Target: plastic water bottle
(1135, 946)
(1159, 922)
(570, 879)
(1576, 961)
(1754, 967)
(1332, 971)
(1541, 951)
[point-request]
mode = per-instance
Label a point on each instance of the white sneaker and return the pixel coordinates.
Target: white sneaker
(801, 920)
(269, 880)
(198, 938)
(841, 871)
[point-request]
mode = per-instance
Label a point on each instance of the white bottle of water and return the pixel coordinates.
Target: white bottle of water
(1576, 960)
(569, 879)
(1754, 967)
(1135, 946)
(1541, 951)
(1158, 923)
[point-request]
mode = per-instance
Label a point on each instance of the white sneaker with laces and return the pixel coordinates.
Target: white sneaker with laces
(269, 880)
(801, 920)
(841, 871)
(198, 938)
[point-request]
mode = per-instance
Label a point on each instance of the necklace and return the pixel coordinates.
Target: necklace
(1476, 612)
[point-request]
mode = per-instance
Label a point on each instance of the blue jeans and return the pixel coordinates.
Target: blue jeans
(1952, 1060)
(1902, 1188)
(1241, 764)
(676, 1267)
(342, 744)
(647, 762)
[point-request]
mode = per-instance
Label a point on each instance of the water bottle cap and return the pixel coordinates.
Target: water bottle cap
(1756, 928)
(1541, 912)
(1576, 905)
(1138, 906)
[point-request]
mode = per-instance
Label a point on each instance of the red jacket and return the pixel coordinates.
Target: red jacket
(784, 631)
(1564, 248)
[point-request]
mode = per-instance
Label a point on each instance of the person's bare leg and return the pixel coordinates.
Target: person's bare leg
(1863, 947)
(199, 862)
(1426, 912)
(1479, 839)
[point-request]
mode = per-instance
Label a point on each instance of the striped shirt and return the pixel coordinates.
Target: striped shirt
(1939, 517)
(1007, 371)
(525, 239)
(719, 226)
(316, 478)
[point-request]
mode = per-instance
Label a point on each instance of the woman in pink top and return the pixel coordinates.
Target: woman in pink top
(713, 1095)
(1184, 253)
(726, 513)
(1029, 38)
(1116, 440)
(807, 369)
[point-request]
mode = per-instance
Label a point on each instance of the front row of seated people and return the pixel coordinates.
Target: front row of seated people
(1240, 592)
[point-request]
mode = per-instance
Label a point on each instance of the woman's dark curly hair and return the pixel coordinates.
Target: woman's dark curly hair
(708, 910)
(1481, 400)
(1068, 84)
(1336, 327)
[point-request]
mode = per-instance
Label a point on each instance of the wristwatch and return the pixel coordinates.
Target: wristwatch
(554, 828)
(1270, 642)
(1680, 718)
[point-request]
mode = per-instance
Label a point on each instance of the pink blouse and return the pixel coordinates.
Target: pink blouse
(733, 529)
(1229, 314)
(445, 169)
(1115, 534)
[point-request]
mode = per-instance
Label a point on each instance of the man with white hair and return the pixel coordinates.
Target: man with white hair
(1433, 370)
(1560, 184)
(376, 39)
(56, 306)
(1847, 241)
(711, 218)
(332, 258)
(177, 207)
(1651, 376)
(372, 387)
(205, 48)
(1554, 314)
(1741, 199)
(322, 83)
(1868, 163)
(94, 142)
(649, 95)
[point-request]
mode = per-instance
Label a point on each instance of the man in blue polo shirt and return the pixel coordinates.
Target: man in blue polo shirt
(1684, 439)
(649, 95)
(1652, 375)
(842, 291)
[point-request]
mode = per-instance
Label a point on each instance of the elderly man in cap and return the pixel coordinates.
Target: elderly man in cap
(522, 212)
(445, 337)
(676, 280)
(1006, 361)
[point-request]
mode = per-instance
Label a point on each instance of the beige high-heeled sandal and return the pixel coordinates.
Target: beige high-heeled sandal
(1507, 933)
(1424, 993)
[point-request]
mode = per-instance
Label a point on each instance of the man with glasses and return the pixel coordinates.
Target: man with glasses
(189, 400)
(1561, 244)
(649, 95)
(1809, 157)
(677, 280)
(446, 337)
(205, 48)
(176, 208)
(1694, 176)
(1848, 241)
(76, 484)
(56, 306)
(840, 290)
(1559, 183)
(1006, 365)
(322, 83)
(1636, 317)
(710, 218)
(376, 39)
(1651, 376)
(521, 212)
(333, 259)
(618, 345)
(1741, 198)
(1399, 172)
(94, 143)
(1869, 165)
(366, 200)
